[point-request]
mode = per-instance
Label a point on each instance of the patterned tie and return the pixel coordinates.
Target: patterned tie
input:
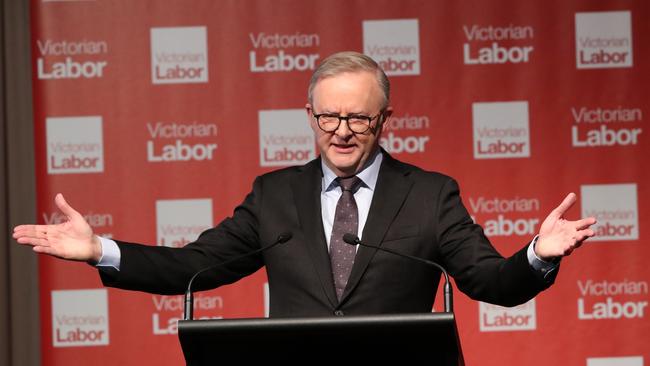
(346, 220)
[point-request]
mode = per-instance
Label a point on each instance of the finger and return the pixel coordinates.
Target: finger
(36, 231)
(584, 223)
(30, 231)
(44, 250)
(566, 204)
(33, 241)
(20, 231)
(27, 228)
(34, 228)
(63, 205)
(19, 228)
(582, 235)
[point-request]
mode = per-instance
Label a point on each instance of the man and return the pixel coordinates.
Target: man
(353, 187)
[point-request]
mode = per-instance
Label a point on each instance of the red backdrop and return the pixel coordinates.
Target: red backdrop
(153, 118)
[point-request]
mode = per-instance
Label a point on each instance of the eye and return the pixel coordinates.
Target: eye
(327, 118)
(358, 119)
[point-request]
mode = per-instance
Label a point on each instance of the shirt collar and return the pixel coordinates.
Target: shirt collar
(368, 174)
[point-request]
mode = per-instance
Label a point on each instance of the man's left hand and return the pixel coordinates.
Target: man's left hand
(559, 237)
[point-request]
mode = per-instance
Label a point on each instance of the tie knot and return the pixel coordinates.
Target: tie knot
(350, 183)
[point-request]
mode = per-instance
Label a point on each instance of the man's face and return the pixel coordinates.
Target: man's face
(352, 93)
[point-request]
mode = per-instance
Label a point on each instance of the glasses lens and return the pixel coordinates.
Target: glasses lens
(328, 123)
(358, 124)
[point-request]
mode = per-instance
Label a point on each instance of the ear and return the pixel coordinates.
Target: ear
(312, 121)
(385, 118)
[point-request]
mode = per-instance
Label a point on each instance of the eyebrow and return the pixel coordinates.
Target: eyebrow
(349, 113)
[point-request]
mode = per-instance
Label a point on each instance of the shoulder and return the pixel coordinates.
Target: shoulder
(312, 168)
(417, 174)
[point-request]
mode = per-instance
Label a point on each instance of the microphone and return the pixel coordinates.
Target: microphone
(448, 296)
(188, 311)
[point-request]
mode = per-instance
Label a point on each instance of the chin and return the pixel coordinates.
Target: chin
(345, 165)
(343, 161)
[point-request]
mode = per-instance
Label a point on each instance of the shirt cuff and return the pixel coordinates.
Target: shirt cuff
(537, 263)
(111, 254)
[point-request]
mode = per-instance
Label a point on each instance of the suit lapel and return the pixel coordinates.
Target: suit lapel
(390, 192)
(306, 186)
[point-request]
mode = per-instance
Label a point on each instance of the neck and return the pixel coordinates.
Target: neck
(357, 169)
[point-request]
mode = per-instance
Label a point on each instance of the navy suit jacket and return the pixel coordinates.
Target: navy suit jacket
(412, 211)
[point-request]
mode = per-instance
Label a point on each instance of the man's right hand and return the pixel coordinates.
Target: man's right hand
(71, 240)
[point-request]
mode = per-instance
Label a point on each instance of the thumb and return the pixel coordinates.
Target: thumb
(65, 207)
(566, 204)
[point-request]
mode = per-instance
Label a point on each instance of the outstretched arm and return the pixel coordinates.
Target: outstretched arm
(559, 237)
(71, 240)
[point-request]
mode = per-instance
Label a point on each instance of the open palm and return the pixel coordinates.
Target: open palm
(72, 239)
(558, 236)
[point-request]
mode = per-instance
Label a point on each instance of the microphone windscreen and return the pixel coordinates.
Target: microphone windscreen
(351, 239)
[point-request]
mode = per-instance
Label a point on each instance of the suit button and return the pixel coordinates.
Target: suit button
(339, 313)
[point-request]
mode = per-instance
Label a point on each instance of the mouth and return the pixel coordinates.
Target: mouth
(344, 148)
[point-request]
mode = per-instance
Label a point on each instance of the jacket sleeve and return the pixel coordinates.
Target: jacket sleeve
(478, 269)
(164, 270)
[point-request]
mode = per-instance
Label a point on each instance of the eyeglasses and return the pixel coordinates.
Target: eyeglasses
(357, 123)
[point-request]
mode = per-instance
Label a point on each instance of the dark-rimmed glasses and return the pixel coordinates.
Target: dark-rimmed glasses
(357, 123)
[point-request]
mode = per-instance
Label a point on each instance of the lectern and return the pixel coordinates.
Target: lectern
(432, 338)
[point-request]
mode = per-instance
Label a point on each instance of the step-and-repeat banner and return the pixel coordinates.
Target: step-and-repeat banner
(154, 117)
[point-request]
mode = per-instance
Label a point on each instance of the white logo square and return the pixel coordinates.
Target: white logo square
(615, 361)
(179, 55)
(501, 130)
(286, 138)
(603, 39)
(79, 318)
(181, 221)
(615, 208)
(74, 145)
(494, 318)
(394, 44)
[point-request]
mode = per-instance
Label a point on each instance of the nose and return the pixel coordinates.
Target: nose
(344, 130)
